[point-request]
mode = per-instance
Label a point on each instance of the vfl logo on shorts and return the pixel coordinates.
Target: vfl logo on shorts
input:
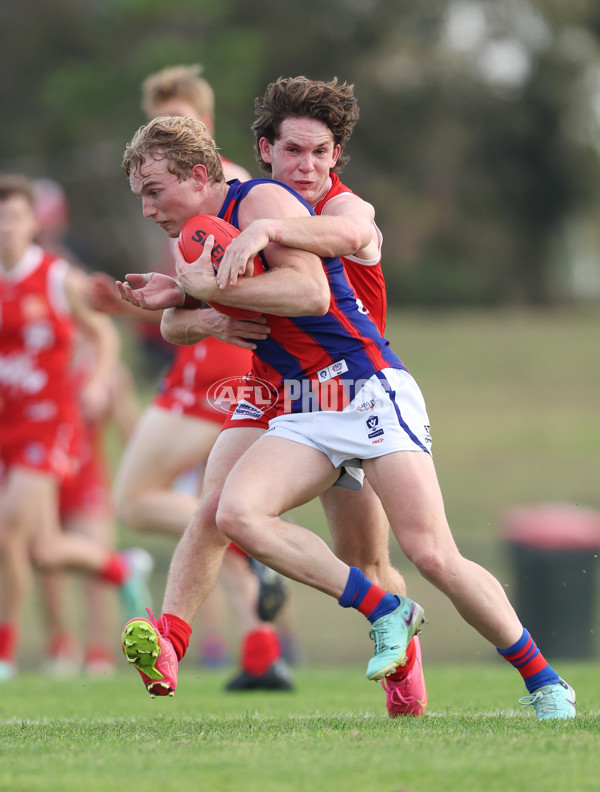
(329, 372)
(373, 428)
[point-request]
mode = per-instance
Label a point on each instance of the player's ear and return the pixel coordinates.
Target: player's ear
(265, 149)
(337, 150)
(200, 176)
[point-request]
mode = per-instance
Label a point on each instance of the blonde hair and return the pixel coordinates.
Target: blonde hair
(183, 142)
(178, 82)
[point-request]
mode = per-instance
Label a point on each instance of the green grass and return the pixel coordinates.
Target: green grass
(332, 733)
(513, 401)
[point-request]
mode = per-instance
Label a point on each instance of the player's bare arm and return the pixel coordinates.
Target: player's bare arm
(96, 394)
(345, 228)
(103, 295)
(181, 326)
(153, 291)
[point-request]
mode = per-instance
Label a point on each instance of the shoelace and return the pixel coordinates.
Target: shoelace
(381, 637)
(161, 625)
(545, 701)
(395, 693)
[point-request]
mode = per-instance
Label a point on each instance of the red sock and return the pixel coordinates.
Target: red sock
(179, 632)
(260, 649)
(115, 570)
(402, 671)
(9, 636)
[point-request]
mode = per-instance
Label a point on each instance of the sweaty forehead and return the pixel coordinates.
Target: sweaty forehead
(308, 131)
(151, 171)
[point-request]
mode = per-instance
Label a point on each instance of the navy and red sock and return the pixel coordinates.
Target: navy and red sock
(371, 600)
(525, 656)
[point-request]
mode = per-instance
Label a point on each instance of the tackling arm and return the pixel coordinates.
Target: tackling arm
(296, 285)
(181, 326)
(345, 228)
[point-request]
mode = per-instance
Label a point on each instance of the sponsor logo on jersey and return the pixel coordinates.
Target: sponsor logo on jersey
(35, 453)
(334, 370)
(41, 411)
(38, 336)
(246, 410)
(18, 372)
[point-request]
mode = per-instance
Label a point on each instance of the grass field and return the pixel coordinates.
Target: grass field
(513, 401)
(332, 733)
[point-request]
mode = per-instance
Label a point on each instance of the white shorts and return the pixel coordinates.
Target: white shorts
(387, 415)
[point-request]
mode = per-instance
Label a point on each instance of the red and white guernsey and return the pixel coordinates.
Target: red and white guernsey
(366, 277)
(39, 412)
(186, 385)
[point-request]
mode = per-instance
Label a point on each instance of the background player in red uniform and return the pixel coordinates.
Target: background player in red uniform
(41, 304)
(86, 505)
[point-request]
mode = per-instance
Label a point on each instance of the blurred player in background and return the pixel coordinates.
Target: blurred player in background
(86, 505)
(178, 430)
(42, 303)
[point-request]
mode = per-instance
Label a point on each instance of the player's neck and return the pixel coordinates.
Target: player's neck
(9, 258)
(324, 193)
(216, 198)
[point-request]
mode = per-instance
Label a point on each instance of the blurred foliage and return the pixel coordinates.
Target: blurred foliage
(478, 141)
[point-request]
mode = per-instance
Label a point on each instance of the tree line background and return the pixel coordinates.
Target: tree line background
(478, 142)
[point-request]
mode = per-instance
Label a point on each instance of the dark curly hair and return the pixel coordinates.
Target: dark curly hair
(331, 102)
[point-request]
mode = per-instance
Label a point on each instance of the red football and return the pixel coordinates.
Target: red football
(191, 243)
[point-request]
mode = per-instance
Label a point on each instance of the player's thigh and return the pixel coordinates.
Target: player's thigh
(275, 475)
(100, 527)
(29, 504)
(358, 525)
(163, 445)
(407, 485)
(228, 448)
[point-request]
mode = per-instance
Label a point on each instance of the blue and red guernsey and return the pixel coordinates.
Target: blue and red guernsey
(316, 362)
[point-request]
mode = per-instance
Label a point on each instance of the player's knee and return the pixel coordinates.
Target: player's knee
(430, 563)
(43, 555)
(12, 526)
(127, 514)
(234, 522)
(124, 507)
(206, 511)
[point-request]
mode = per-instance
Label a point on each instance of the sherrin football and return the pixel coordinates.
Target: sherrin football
(191, 243)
